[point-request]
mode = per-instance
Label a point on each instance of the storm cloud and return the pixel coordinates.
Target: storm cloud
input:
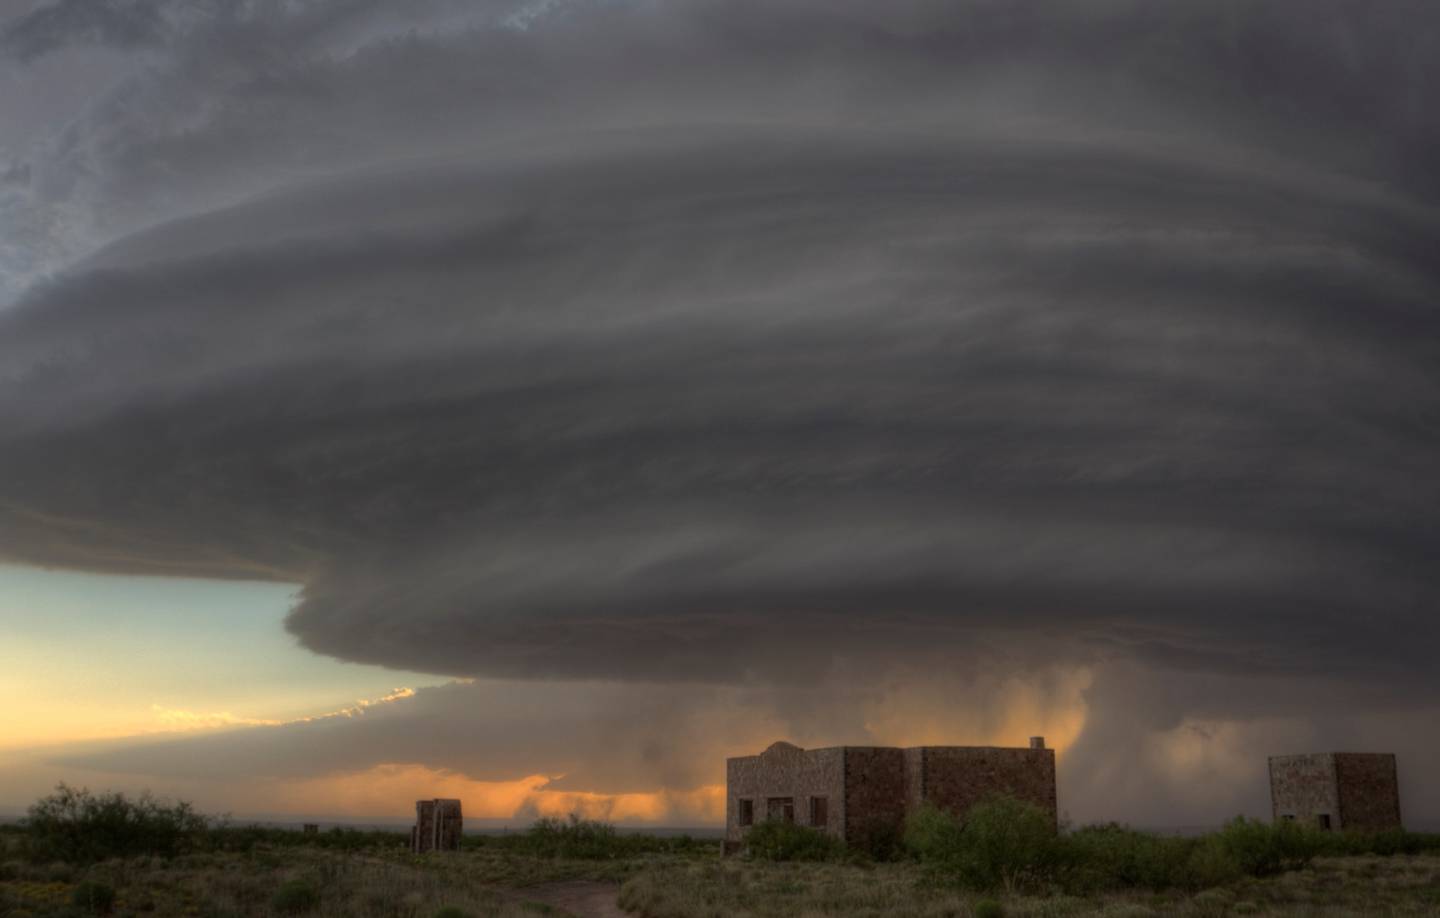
(751, 344)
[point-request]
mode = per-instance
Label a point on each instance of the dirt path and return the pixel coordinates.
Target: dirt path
(581, 898)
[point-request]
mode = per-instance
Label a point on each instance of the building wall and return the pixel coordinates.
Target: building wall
(875, 790)
(872, 787)
(1304, 786)
(1368, 791)
(955, 778)
(914, 777)
(438, 826)
(784, 770)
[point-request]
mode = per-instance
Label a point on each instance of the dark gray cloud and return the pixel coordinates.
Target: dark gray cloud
(512, 420)
(121, 23)
(715, 343)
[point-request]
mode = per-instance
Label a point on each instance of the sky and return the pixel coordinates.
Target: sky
(537, 401)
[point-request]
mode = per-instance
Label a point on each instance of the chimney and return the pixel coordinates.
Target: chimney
(1037, 742)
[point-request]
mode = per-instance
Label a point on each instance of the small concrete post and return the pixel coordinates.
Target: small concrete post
(1037, 742)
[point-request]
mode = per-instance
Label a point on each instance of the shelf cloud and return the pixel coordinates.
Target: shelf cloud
(697, 347)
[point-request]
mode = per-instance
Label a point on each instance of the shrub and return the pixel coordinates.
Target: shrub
(1006, 843)
(295, 897)
(79, 827)
(451, 911)
(1116, 857)
(932, 835)
(774, 840)
(988, 908)
(1260, 849)
(880, 840)
(584, 839)
(222, 836)
(1209, 865)
(573, 838)
(94, 898)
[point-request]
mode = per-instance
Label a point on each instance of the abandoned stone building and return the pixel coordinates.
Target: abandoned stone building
(438, 826)
(1336, 790)
(848, 791)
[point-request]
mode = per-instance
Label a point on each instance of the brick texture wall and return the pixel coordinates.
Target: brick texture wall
(1368, 790)
(955, 778)
(871, 788)
(874, 790)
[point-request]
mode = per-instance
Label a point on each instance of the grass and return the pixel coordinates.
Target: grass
(292, 880)
(1368, 885)
(1003, 861)
(490, 881)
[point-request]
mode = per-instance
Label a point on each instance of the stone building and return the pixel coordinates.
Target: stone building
(438, 826)
(848, 791)
(1336, 790)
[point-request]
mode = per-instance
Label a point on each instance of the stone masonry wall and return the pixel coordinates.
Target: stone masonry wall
(955, 778)
(1368, 790)
(784, 770)
(1303, 787)
(869, 787)
(438, 826)
(914, 777)
(875, 790)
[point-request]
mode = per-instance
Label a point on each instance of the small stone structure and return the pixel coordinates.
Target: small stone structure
(438, 825)
(1336, 790)
(852, 791)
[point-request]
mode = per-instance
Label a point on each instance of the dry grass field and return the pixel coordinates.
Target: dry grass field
(1329, 887)
(86, 855)
(488, 883)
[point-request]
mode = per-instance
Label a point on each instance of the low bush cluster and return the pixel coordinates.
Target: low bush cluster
(774, 840)
(295, 897)
(222, 836)
(583, 839)
(93, 898)
(78, 827)
(1008, 844)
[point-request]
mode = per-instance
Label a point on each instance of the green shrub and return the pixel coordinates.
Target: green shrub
(222, 836)
(774, 840)
(932, 835)
(451, 911)
(1006, 843)
(583, 839)
(79, 827)
(573, 838)
(1261, 849)
(295, 897)
(988, 908)
(1209, 865)
(59, 872)
(94, 898)
(1098, 858)
(1001, 842)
